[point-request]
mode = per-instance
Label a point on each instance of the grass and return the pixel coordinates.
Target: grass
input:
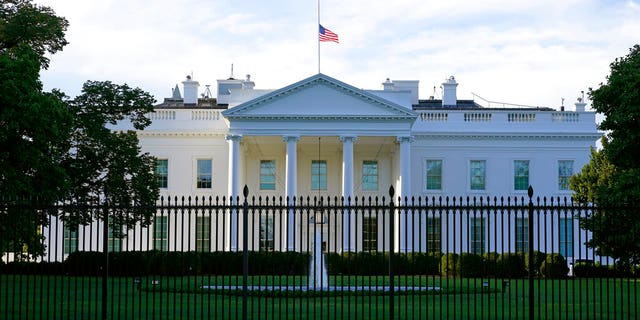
(61, 297)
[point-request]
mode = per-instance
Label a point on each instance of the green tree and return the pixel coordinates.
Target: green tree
(611, 180)
(34, 125)
(108, 165)
(56, 149)
(23, 24)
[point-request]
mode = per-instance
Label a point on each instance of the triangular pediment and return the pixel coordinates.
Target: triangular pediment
(319, 97)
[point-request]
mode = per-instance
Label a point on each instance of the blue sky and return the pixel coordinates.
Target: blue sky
(523, 52)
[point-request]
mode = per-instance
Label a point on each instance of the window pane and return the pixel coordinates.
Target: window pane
(370, 234)
(162, 172)
(565, 171)
(477, 226)
(267, 175)
(370, 175)
(160, 232)
(434, 235)
(434, 174)
(115, 240)
(521, 175)
(70, 239)
(204, 174)
(318, 175)
(522, 234)
(203, 234)
(266, 232)
(565, 235)
(477, 174)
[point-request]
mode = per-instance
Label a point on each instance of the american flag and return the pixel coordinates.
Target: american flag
(327, 35)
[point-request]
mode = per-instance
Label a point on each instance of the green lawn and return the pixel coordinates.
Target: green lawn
(60, 297)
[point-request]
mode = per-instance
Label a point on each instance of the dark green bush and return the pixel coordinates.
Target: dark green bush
(538, 258)
(449, 265)
(490, 263)
(554, 266)
(470, 265)
(510, 265)
(377, 263)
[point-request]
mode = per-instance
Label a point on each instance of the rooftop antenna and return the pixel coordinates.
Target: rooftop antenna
(207, 92)
(231, 71)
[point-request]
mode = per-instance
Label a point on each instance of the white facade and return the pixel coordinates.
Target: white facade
(445, 147)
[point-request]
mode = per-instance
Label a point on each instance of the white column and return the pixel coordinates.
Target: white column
(405, 225)
(290, 188)
(233, 187)
(348, 220)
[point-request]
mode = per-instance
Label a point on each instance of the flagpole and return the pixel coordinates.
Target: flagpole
(317, 36)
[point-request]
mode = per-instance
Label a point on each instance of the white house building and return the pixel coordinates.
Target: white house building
(321, 136)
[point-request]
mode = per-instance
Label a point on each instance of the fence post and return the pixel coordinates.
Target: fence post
(392, 245)
(530, 240)
(105, 250)
(245, 251)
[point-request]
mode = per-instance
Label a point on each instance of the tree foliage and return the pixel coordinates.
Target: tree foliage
(611, 179)
(107, 165)
(53, 148)
(23, 24)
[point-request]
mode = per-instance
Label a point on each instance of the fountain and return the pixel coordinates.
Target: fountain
(318, 278)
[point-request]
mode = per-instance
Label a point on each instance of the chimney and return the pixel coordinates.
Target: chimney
(387, 85)
(580, 105)
(449, 98)
(408, 85)
(190, 91)
(248, 84)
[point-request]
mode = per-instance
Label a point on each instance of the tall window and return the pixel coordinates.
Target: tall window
(477, 226)
(266, 232)
(204, 174)
(370, 175)
(115, 240)
(521, 174)
(70, 239)
(160, 233)
(477, 174)
(434, 174)
(522, 234)
(267, 175)
(162, 173)
(566, 236)
(319, 175)
(370, 233)
(434, 234)
(565, 171)
(203, 233)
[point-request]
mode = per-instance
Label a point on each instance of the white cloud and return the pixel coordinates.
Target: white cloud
(527, 52)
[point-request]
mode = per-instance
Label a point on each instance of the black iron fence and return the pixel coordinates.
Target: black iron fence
(317, 258)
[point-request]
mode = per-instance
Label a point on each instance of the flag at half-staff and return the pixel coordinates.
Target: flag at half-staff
(327, 35)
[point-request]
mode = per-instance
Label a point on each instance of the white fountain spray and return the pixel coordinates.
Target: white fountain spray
(318, 278)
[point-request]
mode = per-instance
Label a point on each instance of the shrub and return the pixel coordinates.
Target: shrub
(554, 266)
(448, 265)
(470, 265)
(510, 265)
(538, 258)
(490, 263)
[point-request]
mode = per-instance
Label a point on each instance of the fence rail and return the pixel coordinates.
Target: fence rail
(317, 258)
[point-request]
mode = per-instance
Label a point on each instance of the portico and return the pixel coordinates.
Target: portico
(322, 130)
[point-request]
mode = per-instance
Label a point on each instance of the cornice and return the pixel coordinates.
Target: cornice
(181, 134)
(294, 117)
(507, 136)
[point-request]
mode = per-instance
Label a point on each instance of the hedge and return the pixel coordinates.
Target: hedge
(377, 263)
(554, 266)
(139, 263)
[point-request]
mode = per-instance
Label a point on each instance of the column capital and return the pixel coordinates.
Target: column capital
(234, 137)
(405, 139)
(291, 138)
(348, 138)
